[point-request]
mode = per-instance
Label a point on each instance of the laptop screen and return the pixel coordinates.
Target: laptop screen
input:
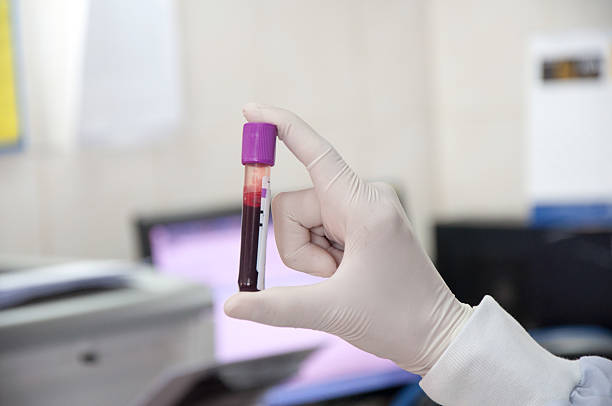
(207, 250)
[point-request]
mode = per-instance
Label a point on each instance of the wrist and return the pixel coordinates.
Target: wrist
(449, 326)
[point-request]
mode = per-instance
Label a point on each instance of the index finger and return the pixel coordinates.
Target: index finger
(325, 165)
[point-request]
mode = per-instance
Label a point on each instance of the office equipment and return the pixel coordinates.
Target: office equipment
(542, 276)
(593, 214)
(205, 247)
(260, 381)
(575, 341)
(238, 383)
(37, 283)
(103, 347)
(347, 386)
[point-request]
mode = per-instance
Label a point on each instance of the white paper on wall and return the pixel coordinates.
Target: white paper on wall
(570, 118)
(131, 84)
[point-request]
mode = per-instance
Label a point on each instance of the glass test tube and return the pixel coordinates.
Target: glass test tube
(258, 150)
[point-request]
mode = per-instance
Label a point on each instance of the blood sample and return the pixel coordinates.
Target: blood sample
(258, 150)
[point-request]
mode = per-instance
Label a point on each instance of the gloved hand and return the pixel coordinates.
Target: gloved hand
(382, 294)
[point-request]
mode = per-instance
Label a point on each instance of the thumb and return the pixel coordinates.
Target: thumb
(292, 306)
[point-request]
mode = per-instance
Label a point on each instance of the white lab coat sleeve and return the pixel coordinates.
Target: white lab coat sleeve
(595, 386)
(494, 361)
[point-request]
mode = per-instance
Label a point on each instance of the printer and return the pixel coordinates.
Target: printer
(96, 332)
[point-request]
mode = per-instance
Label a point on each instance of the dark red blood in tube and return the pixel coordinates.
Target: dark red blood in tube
(251, 210)
(258, 155)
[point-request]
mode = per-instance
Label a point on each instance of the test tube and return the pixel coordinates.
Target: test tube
(258, 150)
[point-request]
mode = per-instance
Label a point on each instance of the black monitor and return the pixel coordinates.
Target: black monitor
(542, 276)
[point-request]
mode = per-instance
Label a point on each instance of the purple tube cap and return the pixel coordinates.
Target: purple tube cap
(259, 143)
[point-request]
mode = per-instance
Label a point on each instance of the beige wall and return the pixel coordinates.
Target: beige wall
(353, 69)
(478, 62)
(426, 94)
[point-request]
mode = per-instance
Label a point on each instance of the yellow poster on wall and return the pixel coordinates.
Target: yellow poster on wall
(9, 121)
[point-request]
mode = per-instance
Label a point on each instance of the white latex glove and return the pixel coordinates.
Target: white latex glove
(382, 294)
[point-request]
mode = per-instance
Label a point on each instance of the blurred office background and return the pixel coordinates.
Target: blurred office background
(431, 96)
(129, 109)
